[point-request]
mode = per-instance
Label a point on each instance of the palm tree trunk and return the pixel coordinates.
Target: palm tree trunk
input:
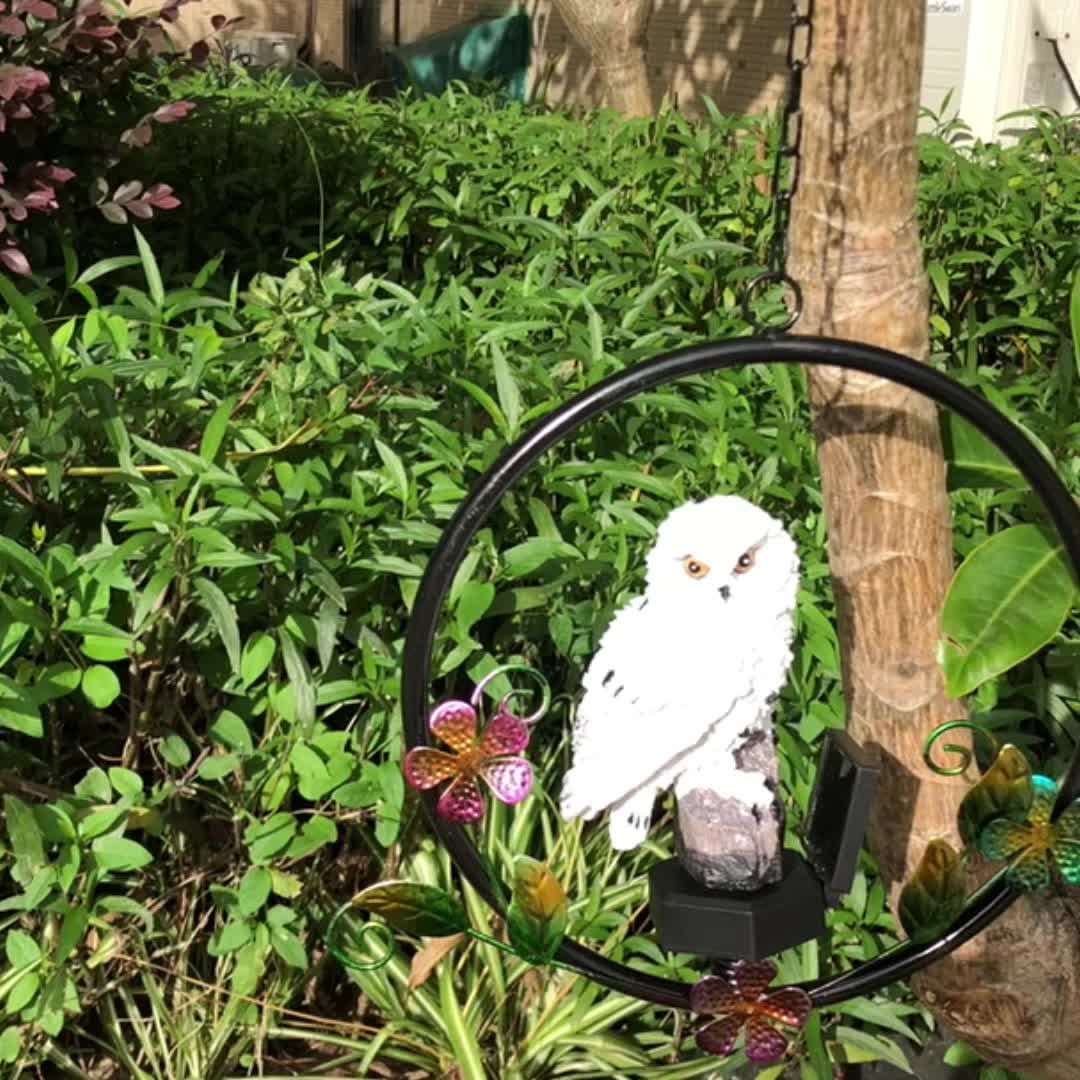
(615, 34)
(1013, 992)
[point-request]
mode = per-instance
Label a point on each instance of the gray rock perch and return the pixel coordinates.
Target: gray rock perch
(725, 844)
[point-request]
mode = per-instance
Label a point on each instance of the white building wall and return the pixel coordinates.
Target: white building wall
(948, 30)
(1010, 63)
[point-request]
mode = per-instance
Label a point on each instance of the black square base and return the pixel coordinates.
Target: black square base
(736, 926)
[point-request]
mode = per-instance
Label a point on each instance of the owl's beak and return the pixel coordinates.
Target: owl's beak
(725, 591)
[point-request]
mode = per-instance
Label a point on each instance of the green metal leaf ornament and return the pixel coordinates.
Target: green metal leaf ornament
(537, 917)
(420, 910)
(1038, 849)
(1005, 791)
(934, 897)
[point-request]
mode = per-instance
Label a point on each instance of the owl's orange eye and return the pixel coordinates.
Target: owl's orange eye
(746, 561)
(696, 569)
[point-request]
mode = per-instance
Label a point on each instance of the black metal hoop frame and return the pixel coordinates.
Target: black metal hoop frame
(985, 905)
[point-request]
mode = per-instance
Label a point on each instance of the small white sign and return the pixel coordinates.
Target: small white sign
(944, 7)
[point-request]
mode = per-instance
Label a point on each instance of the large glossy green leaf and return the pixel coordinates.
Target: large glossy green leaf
(974, 461)
(1005, 791)
(1009, 598)
(421, 910)
(935, 895)
(536, 920)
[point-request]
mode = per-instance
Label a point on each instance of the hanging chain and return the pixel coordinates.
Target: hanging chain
(785, 182)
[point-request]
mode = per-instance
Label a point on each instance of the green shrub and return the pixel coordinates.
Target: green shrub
(225, 492)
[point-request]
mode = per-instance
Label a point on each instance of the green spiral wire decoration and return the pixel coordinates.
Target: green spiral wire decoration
(965, 753)
(356, 935)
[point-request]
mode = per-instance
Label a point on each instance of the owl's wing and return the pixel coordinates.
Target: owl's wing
(649, 701)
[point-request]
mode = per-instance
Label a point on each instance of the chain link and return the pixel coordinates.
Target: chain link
(785, 181)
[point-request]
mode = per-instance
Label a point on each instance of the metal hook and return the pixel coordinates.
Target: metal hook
(773, 277)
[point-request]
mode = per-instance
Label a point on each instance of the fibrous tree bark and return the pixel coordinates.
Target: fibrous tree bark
(1013, 992)
(615, 34)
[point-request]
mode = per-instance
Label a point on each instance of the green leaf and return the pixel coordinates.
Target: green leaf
(150, 269)
(95, 786)
(940, 280)
(960, 1054)
(326, 629)
(509, 394)
(26, 839)
(254, 890)
(286, 885)
(10, 1045)
(232, 936)
(218, 766)
(420, 910)
(877, 1013)
(100, 686)
(175, 751)
(267, 838)
(106, 266)
(934, 897)
(25, 565)
(55, 823)
(25, 313)
(311, 771)
(11, 637)
(107, 650)
(316, 833)
(975, 461)
(101, 821)
(95, 628)
(231, 730)
(223, 615)
(23, 992)
(21, 949)
(289, 947)
(882, 1048)
(359, 794)
(473, 602)
(125, 782)
(150, 596)
(214, 435)
(296, 668)
(19, 708)
(119, 853)
(532, 554)
(395, 469)
(1009, 598)
(56, 681)
(1004, 791)
(73, 931)
(258, 654)
(815, 1045)
(536, 919)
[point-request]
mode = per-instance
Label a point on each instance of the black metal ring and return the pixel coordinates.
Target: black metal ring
(773, 277)
(899, 962)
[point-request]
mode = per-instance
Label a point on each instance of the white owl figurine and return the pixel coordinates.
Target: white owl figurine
(686, 672)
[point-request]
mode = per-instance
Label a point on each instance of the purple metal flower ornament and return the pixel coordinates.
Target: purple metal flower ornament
(492, 755)
(741, 998)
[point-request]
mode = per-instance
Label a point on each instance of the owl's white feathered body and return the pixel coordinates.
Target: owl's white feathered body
(686, 672)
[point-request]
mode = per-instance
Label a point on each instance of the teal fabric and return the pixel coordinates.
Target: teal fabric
(491, 50)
